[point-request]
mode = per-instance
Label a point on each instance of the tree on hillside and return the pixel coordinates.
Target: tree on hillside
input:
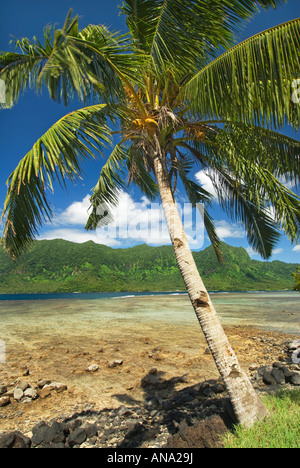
(296, 276)
(179, 95)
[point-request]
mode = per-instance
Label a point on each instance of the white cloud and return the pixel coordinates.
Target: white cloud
(76, 214)
(277, 251)
(78, 236)
(296, 248)
(206, 183)
(251, 251)
(226, 230)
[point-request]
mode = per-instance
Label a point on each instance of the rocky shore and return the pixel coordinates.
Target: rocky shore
(152, 425)
(173, 413)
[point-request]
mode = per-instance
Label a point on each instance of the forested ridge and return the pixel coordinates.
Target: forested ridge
(62, 266)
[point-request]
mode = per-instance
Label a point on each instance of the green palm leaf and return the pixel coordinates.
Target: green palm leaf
(69, 62)
(204, 27)
(58, 154)
(107, 189)
(213, 236)
(272, 150)
(140, 173)
(251, 82)
(197, 194)
(262, 231)
(52, 62)
(112, 181)
(244, 163)
(257, 159)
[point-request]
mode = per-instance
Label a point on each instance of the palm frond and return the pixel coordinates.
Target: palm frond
(70, 62)
(251, 83)
(197, 194)
(198, 28)
(57, 155)
(56, 62)
(279, 198)
(111, 59)
(140, 172)
(254, 167)
(213, 235)
(262, 164)
(107, 189)
(249, 145)
(270, 3)
(248, 167)
(19, 70)
(141, 17)
(262, 231)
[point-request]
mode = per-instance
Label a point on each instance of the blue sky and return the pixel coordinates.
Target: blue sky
(21, 126)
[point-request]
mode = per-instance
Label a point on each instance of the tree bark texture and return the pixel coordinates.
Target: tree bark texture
(247, 405)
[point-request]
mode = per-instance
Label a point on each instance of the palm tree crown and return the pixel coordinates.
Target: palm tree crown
(174, 77)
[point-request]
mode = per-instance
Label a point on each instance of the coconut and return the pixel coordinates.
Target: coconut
(137, 124)
(151, 125)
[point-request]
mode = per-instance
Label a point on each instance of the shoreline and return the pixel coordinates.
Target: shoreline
(69, 295)
(274, 311)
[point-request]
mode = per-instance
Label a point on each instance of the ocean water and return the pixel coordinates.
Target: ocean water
(27, 314)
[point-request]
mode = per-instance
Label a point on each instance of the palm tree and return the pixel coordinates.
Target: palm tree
(178, 94)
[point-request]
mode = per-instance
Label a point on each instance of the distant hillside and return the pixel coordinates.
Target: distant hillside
(61, 266)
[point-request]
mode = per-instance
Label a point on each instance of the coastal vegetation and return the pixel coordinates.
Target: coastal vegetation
(62, 266)
(280, 430)
(297, 279)
(173, 94)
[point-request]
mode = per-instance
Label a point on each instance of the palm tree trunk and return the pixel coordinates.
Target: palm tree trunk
(246, 403)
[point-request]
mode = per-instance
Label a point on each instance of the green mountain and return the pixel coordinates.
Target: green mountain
(62, 266)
